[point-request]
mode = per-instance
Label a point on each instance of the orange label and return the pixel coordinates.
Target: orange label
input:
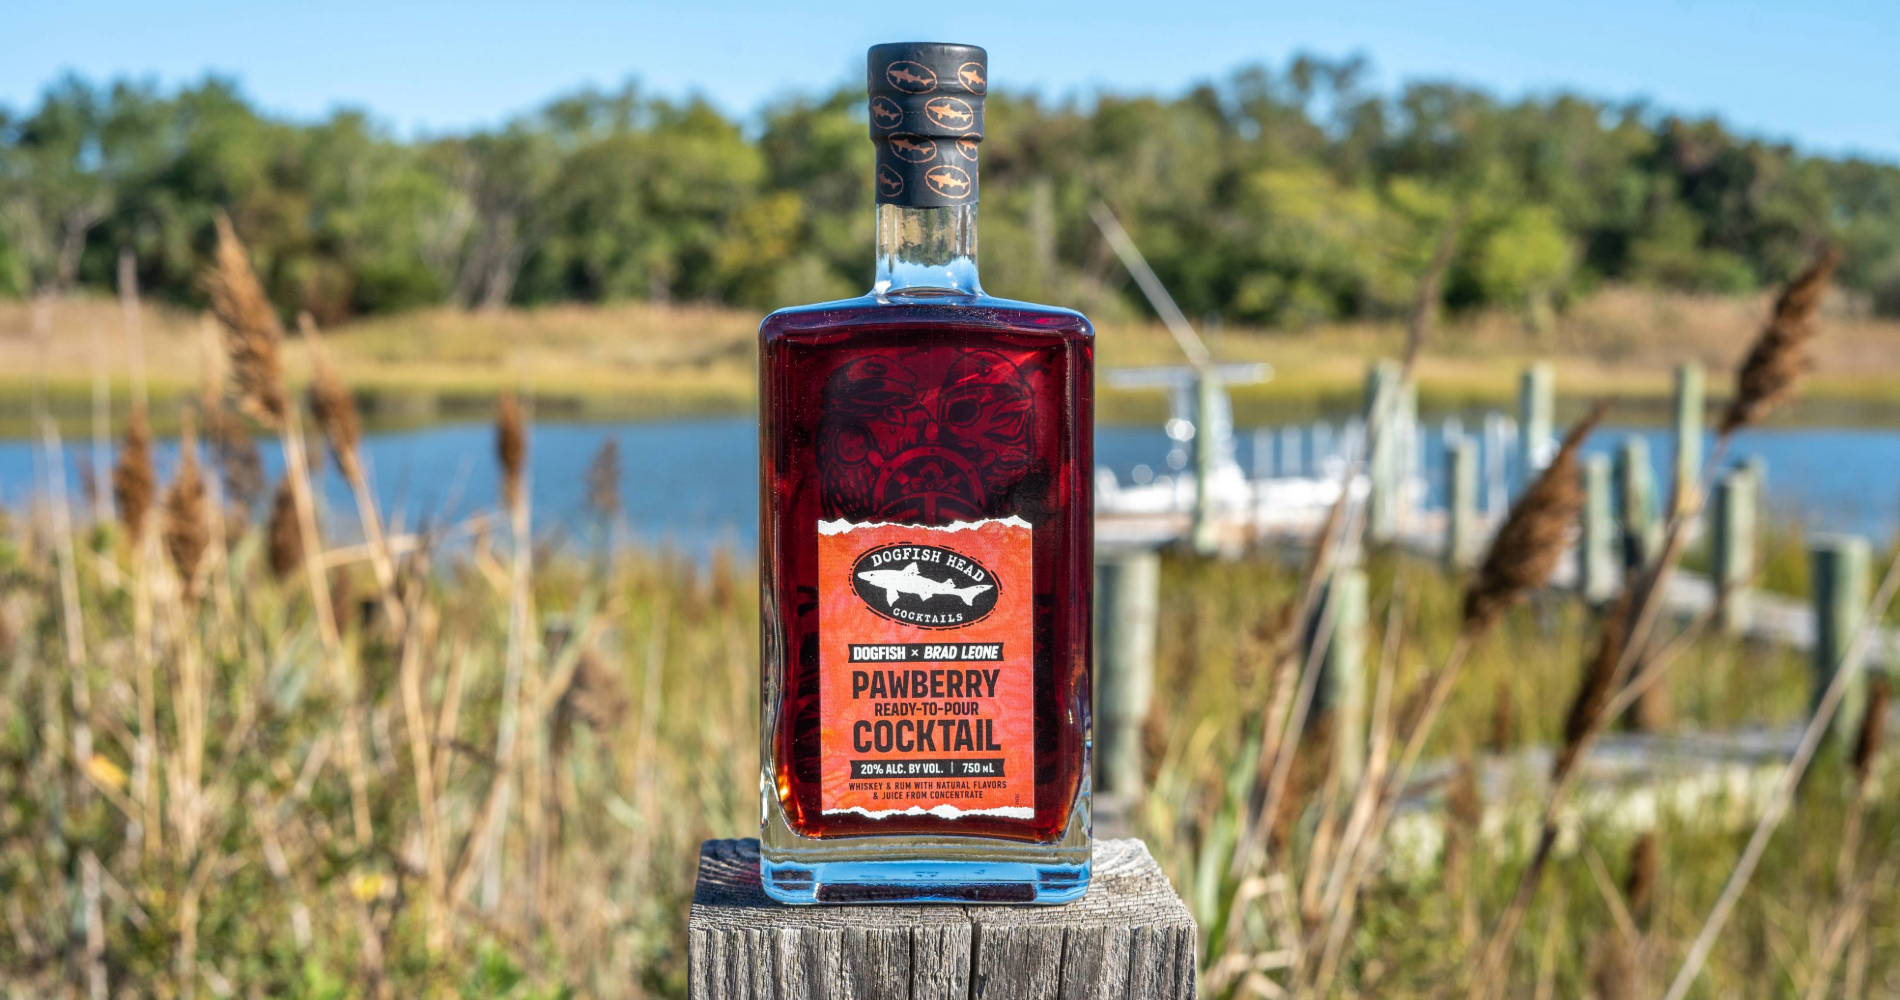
(925, 669)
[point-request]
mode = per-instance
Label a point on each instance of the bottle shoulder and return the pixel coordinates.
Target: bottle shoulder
(875, 312)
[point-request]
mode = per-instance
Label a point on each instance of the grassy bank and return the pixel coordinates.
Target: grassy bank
(293, 858)
(637, 360)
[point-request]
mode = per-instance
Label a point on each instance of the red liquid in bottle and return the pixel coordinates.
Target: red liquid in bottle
(927, 413)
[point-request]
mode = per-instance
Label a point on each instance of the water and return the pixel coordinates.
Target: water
(692, 485)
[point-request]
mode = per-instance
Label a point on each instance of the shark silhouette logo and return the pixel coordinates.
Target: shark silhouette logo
(913, 149)
(885, 113)
(890, 183)
(968, 148)
(951, 113)
(928, 586)
(971, 76)
(911, 77)
(949, 181)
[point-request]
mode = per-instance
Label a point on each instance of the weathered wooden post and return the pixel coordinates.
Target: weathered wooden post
(1498, 436)
(1342, 681)
(1127, 602)
(1841, 566)
(1689, 407)
(1129, 937)
(1735, 526)
(1757, 467)
(1411, 452)
(1536, 405)
(1461, 504)
(1384, 401)
(1207, 457)
(1636, 503)
(1290, 451)
(1597, 576)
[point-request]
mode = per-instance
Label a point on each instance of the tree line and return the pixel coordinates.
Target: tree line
(1281, 196)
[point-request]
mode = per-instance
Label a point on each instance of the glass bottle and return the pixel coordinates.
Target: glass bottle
(925, 549)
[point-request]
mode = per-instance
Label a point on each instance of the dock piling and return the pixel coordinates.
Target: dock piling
(1636, 503)
(1597, 576)
(1842, 567)
(1385, 437)
(1207, 457)
(1690, 398)
(1735, 531)
(1342, 682)
(1461, 504)
(1127, 603)
(1536, 404)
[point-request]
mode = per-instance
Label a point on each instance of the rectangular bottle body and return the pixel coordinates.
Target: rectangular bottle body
(926, 562)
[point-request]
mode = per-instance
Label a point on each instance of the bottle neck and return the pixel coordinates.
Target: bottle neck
(926, 251)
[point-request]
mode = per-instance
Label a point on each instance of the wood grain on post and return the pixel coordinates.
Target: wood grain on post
(1129, 937)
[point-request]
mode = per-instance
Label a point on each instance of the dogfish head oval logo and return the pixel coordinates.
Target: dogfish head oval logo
(885, 113)
(890, 183)
(912, 149)
(951, 113)
(971, 76)
(911, 77)
(928, 586)
(948, 181)
(968, 148)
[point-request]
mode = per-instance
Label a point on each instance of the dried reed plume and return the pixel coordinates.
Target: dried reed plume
(1531, 540)
(1873, 725)
(594, 696)
(332, 404)
(284, 536)
(1464, 816)
(238, 459)
(1779, 356)
(342, 599)
(1503, 719)
(1639, 886)
(603, 481)
(187, 531)
(252, 332)
(133, 481)
(511, 448)
(1598, 684)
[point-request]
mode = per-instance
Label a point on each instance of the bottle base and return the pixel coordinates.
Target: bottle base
(924, 869)
(919, 880)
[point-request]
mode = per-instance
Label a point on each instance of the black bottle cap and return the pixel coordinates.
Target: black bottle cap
(927, 121)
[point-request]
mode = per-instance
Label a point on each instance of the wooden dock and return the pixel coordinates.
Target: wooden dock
(1774, 619)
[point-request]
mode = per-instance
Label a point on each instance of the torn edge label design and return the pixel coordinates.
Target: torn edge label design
(926, 668)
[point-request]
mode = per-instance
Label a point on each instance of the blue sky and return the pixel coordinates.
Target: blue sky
(1821, 73)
